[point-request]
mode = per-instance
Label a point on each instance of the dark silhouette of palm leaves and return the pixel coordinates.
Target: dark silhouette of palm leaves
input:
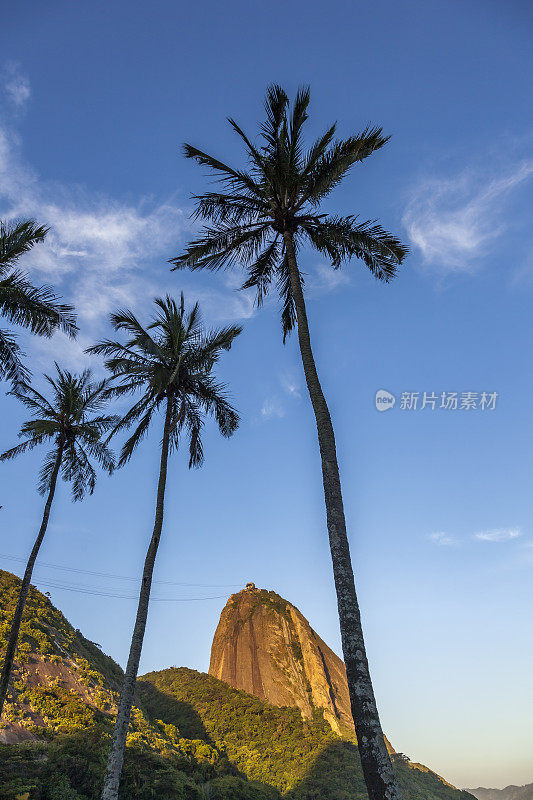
(70, 420)
(171, 358)
(280, 191)
(21, 303)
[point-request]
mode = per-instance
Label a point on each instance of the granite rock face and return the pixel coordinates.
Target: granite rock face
(266, 647)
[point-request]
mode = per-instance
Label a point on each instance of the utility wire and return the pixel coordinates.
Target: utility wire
(100, 593)
(122, 577)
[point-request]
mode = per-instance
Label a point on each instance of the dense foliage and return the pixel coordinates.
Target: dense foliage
(192, 737)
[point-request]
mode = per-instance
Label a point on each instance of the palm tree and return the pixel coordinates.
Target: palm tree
(260, 218)
(72, 422)
(33, 307)
(171, 363)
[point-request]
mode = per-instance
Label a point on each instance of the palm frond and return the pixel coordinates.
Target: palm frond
(298, 119)
(137, 410)
(136, 438)
(276, 103)
(223, 246)
(235, 179)
(234, 208)
(261, 271)
(317, 151)
(11, 366)
(78, 470)
(34, 400)
(288, 308)
(18, 238)
(99, 451)
(35, 307)
(23, 447)
(45, 473)
(196, 449)
(343, 238)
(330, 169)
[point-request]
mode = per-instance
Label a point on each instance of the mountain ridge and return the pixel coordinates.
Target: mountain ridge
(510, 792)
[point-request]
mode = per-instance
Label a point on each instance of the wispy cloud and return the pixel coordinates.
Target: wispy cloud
(498, 535)
(272, 408)
(291, 385)
(101, 253)
(16, 85)
(442, 539)
(96, 244)
(324, 278)
(275, 405)
(452, 221)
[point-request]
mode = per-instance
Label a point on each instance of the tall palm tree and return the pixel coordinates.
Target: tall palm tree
(170, 362)
(33, 307)
(260, 218)
(72, 422)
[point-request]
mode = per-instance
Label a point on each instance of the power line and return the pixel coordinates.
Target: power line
(99, 593)
(122, 577)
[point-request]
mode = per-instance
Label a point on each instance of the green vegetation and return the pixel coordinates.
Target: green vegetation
(64, 694)
(191, 736)
(302, 759)
(268, 744)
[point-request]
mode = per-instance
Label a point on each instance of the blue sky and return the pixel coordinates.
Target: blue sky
(96, 101)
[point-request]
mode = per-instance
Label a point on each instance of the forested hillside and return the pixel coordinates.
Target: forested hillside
(192, 736)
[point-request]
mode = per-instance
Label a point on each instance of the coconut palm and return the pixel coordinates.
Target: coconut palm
(170, 363)
(73, 423)
(260, 218)
(33, 307)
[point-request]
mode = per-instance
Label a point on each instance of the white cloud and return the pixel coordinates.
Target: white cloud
(325, 279)
(101, 254)
(291, 385)
(272, 407)
(96, 240)
(16, 85)
(498, 535)
(66, 351)
(442, 539)
(452, 221)
(225, 306)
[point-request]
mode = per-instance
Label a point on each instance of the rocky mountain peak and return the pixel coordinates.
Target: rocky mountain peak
(266, 647)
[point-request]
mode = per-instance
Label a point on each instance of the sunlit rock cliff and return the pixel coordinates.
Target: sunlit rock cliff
(266, 647)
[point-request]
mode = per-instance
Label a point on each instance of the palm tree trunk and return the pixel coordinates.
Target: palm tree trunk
(377, 768)
(25, 586)
(118, 746)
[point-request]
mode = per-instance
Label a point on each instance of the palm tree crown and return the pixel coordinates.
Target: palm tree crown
(33, 307)
(280, 193)
(169, 360)
(72, 422)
